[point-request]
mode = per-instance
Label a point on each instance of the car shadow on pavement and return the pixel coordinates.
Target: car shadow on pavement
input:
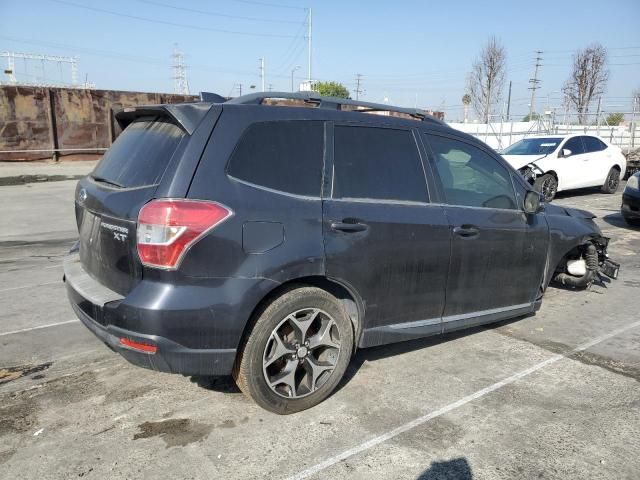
(580, 192)
(616, 220)
(456, 469)
(377, 353)
(222, 383)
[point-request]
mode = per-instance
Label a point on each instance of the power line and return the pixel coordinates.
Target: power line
(267, 4)
(213, 14)
(173, 24)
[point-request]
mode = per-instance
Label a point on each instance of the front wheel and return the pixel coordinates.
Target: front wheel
(297, 352)
(547, 184)
(612, 181)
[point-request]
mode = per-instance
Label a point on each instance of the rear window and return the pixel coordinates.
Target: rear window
(283, 155)
(141, 153)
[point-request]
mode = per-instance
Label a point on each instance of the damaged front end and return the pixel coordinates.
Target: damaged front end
(585, 263)
(578, 248)
(530, 172)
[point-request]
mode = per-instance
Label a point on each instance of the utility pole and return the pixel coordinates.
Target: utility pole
(309, 24)
(534, 83)
(292, 72)
(239, 89)
(358, 80)
(261, 68)
(597, 117)
(633, 124)
(509, 101)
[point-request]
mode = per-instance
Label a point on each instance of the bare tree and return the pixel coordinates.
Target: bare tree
(588, 79)
(486, 80)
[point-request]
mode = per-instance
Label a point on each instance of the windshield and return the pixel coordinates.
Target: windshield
(533, 146)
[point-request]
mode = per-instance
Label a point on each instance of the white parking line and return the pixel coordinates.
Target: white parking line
(29, 286)
(452, 406)
(39, 327)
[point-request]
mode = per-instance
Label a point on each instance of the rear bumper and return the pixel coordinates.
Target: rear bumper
(150, 316)
(170, 356)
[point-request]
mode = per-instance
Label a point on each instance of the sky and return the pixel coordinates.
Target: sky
(409, 53)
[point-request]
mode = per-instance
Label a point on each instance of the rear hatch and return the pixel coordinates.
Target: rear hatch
(109, 199)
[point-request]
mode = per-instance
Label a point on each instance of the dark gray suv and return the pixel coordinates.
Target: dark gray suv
(268, 241)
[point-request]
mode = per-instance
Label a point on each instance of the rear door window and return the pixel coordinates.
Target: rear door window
(281, 155)
(575, 145)
(141, 153)
(593, 144)
(377, 163)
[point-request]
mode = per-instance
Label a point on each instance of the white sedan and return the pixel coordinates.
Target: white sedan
(553, 163)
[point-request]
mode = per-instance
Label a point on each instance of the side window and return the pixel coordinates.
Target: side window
(575, 145)
(377, 163)
(593, 144)
(470, 176)
(284, 155)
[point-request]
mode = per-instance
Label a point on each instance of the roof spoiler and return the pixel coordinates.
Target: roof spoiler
(211, 97)
(186, 115)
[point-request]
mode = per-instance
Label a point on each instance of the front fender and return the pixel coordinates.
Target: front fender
(568, 229)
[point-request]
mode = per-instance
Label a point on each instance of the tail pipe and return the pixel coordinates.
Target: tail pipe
(591, 259)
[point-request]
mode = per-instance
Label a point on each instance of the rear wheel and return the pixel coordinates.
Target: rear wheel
(547, 184)
(297, 351)
(612, 181)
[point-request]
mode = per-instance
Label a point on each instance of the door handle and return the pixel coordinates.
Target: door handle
(466, 231)
(349, 227)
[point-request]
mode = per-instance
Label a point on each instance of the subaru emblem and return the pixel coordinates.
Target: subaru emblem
(82, 195)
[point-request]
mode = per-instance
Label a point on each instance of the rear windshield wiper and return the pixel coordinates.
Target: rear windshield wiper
(108, 182)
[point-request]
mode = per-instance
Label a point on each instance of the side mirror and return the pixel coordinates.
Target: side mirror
(565, 152)
(532, 203)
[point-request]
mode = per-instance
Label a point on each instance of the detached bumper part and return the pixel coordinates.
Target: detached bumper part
(610, 268)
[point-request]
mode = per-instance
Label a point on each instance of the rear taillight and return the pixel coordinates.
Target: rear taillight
(168, 228)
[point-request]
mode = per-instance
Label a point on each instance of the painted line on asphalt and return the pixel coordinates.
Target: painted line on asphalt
(29, 286)
(40, 327)
(452, 406)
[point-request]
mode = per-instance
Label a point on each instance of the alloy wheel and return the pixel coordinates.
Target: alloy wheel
(301, 353)
(549, 188)
(614, 180)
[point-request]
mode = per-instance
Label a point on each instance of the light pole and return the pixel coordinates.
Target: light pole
(292, 72)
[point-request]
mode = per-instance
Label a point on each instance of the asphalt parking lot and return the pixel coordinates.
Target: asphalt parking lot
(555, 395)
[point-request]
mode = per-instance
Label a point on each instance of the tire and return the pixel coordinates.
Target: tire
(612, 181)
(282, 377)
(547, 184)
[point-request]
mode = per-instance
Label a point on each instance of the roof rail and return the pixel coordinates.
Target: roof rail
(333, 103)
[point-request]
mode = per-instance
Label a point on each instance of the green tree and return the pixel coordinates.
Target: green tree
(615, 119)
(331, 89)
(531, 118)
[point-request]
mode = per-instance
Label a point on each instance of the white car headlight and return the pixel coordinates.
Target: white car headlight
(632, 182)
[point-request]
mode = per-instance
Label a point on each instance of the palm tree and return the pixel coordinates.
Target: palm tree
(466, 101)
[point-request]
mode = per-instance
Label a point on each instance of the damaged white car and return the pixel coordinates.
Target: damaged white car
(553, 163)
